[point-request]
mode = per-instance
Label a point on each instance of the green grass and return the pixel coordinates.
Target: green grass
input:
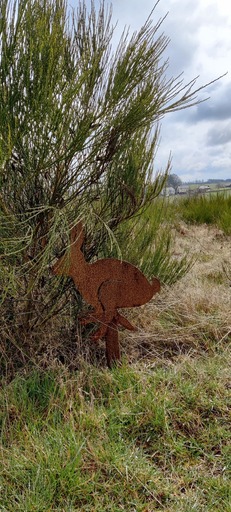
(151, 243)
(134, 439)
(207, 209)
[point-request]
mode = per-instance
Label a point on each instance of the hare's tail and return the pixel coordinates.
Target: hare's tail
(155, 285)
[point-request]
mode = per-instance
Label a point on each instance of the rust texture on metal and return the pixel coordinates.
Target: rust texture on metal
(107, 285)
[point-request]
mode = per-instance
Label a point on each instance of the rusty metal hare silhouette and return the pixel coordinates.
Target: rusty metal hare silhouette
(106, 284)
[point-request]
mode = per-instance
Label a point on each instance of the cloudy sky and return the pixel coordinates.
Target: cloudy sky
(199, 138)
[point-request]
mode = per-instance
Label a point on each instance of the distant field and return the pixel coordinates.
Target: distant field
(226, 191)
(213, 186)
(213, 190)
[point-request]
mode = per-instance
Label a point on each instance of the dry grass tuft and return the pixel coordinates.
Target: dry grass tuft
(193, 315)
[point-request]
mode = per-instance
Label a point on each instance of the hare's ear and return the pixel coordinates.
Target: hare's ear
(77, 234)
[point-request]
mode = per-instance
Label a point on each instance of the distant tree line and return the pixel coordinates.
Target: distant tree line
(173, 181)
(211, 180)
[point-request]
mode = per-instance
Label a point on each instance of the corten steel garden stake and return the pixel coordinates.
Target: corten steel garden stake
(112, 343)
(106, 285)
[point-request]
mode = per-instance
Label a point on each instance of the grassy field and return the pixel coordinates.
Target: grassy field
(209, 208)
(153, 434)
(142, 438)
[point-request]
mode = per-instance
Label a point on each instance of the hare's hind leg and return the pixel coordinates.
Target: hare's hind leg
(122, 320)
(107, 296)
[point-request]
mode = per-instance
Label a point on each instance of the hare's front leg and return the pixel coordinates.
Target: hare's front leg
(103, 318)
(99, 317)
(95, 314)
(91, 318)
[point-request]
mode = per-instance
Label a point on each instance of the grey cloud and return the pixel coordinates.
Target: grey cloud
(180, 51)
(219, 135)
(182, 32)
(218, 107)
